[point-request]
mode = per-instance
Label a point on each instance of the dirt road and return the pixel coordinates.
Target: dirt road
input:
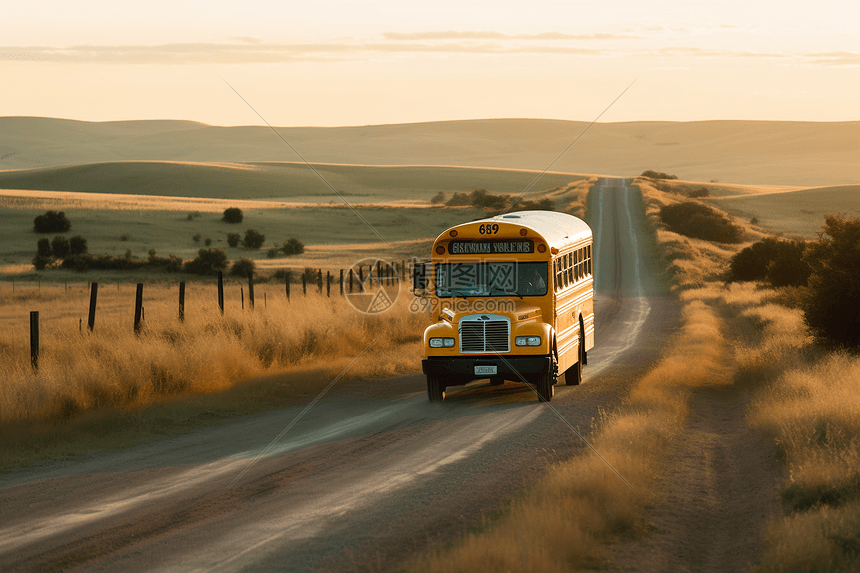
(372, 477)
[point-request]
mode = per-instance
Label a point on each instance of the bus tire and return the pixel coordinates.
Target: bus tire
(435, 390)
(546, 385)
(573, 375)
(496, 381)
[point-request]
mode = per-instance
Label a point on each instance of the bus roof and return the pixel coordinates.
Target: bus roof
(557, 229)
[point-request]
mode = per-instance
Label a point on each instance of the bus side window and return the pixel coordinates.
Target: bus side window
(555, 266)
(588, 248)
(576, 274)
(568, 271)
(566, 261)
(581, 265)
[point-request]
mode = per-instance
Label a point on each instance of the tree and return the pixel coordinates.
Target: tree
(233, 240)
(831, 302)
(43, 248)
(60, 247)
(254, 239)
(439, 198)
(77, 245)
(242, 268)
(293, 246)
(207, 262)
(233, 215)
(52, 222)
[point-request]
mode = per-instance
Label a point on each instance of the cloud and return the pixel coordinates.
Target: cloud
(842, 58)
(459, 35)
(249, 52)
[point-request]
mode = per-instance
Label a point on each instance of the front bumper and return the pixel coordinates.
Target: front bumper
(463, 367)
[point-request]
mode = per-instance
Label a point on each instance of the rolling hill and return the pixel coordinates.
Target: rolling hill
(753, 152)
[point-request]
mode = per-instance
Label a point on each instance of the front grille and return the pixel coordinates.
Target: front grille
(485, 336)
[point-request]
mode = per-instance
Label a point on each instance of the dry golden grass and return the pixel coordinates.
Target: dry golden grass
(566, 522)
(112, 368)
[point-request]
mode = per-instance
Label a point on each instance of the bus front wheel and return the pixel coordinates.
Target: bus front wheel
(546, 385)
(435, 390)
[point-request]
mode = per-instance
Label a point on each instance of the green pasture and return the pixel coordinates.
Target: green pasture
(794, 212)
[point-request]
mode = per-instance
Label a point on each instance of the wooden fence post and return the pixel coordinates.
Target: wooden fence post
(304, 285)
(242, 294)
(360, 278)
(319, 281)
(341, 282)
(351, 274)
(328, 284)
(138, 307)
(94, 293)
(251, 291)
(289, 279)
(182, 301)
(221, 291)
(34, 339)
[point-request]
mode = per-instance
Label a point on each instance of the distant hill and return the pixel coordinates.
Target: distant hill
(754, 152)
(282, 181)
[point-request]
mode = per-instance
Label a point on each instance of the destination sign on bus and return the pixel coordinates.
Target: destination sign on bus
(491, 247)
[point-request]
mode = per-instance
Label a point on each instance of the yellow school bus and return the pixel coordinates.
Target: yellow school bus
(512, 298)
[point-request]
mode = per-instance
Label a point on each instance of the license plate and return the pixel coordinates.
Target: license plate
(486, 370)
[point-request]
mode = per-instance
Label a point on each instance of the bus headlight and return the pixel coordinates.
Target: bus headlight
(441, 342)
(527, 340)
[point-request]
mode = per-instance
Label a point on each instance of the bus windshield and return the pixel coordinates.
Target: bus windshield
(495, 278)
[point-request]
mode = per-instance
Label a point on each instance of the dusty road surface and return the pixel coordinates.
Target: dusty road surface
(372, 477)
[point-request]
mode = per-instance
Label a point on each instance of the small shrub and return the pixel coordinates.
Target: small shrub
(41, 261)
(207, 262)
(233, 215)
(233, 240)
(657, 175)
(197, 238)
(124, 237)
(700, 222)
(207, 241)
(831, 305)
(311, 275)
(52, 222)
(171, 264)
(481, 199)
(439, 198)
(754, 221)
(777, 261)
(273, 253)
(242, 268)
(293, 246)
(60, 247)
(254, 239)
(698, 192)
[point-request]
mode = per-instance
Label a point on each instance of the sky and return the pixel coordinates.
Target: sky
(333, 63)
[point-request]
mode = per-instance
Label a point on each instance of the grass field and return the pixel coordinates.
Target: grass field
(112, 374)
(121, 207)
(792, 210)
(799, 212)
